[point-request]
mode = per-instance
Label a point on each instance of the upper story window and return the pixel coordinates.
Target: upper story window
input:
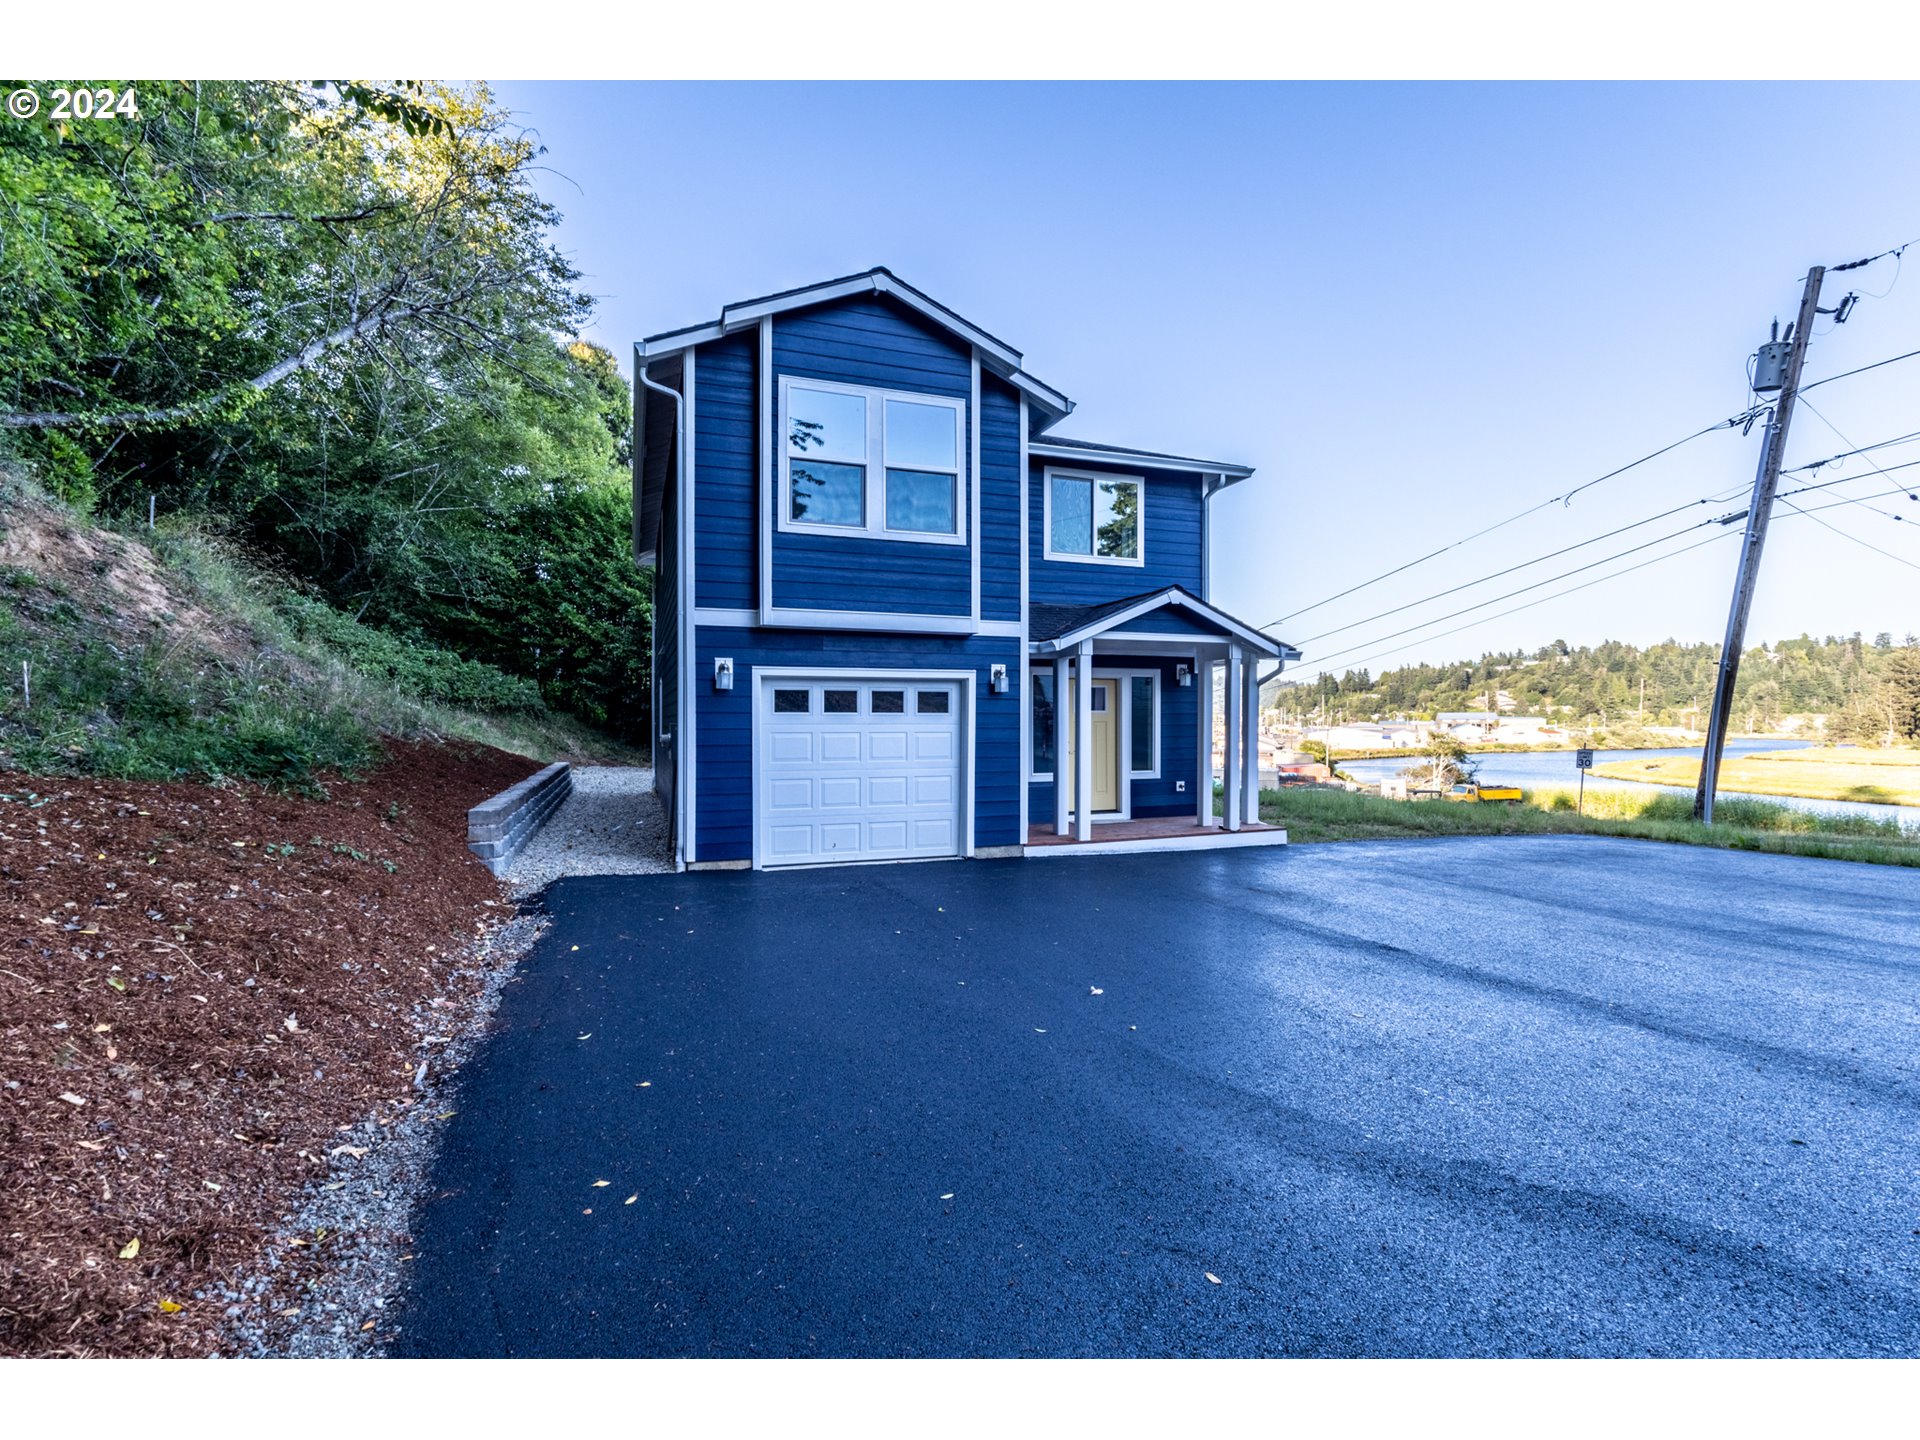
(871, 462)
(1095, 517)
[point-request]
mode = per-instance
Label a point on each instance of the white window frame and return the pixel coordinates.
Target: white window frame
(1046, 517)
(875, 465)
(1126, 678)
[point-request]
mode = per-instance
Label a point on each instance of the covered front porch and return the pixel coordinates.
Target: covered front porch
(1121, 709)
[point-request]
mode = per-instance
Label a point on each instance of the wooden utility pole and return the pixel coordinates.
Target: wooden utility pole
(1772, 451)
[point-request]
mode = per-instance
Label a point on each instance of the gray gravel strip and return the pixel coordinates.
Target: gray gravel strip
(611, 825)
(323, 1287)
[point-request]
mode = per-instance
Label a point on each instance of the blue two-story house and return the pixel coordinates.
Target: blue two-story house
(897, 618)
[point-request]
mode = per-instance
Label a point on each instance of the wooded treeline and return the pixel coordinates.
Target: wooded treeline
(331, 319)
(1866, 686)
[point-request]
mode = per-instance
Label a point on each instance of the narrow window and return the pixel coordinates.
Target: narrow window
(923, 467)
(1043, 722)
(1141, 688)
(792, 702)
(1072, 516)
(842, 702)
(889, 702)
(932, 702)
(1099, 698)
(827, 457)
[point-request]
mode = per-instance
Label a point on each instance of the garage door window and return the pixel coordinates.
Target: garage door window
(889, 702)
(792, 702)
(843, 702)
(932, 702)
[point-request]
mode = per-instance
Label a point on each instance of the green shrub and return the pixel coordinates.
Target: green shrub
(425, 672)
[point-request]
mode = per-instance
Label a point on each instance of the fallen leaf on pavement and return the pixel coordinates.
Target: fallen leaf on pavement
(1095, 990)
(357, 1151)
(1215, 1279)
(631, 1198)
(947, 1196)
(171, 1307)
(71, 1098)
(132, 1249)
(601, 1184)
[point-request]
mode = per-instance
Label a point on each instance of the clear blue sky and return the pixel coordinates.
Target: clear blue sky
(1415, 308)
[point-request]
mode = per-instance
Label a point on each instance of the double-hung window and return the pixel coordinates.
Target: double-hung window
(881, 463)
(1095, 517)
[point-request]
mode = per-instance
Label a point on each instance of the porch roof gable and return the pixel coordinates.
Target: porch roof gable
(1053, 628)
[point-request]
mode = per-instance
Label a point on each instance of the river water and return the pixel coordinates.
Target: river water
(1537, 769)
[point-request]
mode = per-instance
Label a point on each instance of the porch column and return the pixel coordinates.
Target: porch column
(1250, 805)
(1236, 721)
(1203, 703)
(1083, 744)
(1061, 667)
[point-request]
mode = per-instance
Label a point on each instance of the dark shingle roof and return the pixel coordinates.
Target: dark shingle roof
(1067, 441)
(1049, 622)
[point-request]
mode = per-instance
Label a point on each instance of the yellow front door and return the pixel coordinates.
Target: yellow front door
(1106, 747)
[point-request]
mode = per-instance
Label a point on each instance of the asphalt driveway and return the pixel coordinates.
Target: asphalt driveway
(1559, 1096)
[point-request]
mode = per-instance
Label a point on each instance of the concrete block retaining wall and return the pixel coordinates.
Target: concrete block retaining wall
(498, 828)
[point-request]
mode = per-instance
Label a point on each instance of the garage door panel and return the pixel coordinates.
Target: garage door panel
(790, 841)
(840, 745)
(858, 783)
(792, 746)
(791, 793)
(839, 791)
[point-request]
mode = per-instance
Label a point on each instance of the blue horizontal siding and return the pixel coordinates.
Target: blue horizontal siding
(726, 499)
(723, 724)
(1172, 548)
(999, 499)
(1171, 620)
(1179, 749)
(871, 341)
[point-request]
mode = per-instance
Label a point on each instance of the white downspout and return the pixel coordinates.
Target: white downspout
(684, 670)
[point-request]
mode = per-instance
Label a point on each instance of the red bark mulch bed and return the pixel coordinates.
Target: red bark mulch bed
(198, 987)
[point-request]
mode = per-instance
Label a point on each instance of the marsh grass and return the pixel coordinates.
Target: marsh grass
(1318, 813)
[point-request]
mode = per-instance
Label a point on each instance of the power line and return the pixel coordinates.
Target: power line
(1537, 560)
(1891, 360)
(1527, 605)
(1521, 515)
(1844, 535)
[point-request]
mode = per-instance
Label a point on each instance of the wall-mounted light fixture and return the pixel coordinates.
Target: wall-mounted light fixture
(1184, 675)
(723, 672)
(997, 676)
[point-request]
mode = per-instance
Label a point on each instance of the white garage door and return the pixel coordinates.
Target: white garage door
(858, 770)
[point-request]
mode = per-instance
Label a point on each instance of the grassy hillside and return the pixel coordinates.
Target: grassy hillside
(167, 654)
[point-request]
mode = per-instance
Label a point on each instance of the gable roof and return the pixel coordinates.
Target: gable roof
(995, 354)
(1053, 628)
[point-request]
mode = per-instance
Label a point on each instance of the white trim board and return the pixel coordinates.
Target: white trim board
(1218, 840)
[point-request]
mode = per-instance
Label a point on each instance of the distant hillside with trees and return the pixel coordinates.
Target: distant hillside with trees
(1867, 686)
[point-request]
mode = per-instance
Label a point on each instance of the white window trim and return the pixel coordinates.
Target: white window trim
(1125, 676)
(875, 465)
(1046, 516)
